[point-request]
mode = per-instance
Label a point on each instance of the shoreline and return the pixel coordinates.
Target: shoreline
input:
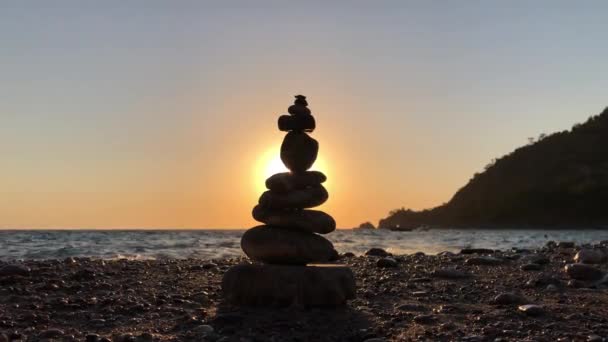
(403, 297)
(480, 226)
(422, 227)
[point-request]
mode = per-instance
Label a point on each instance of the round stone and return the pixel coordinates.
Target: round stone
(379, 252)
(301, 100)
(531, 267)
(509, 298)
(583, 272)
(532, 310)
(312, 221)
(298, 110)
(299, 151)
(14, 270)
(589, 256)
(287, 181)
(288, 286)
(297, 123)
(275, 245)
(296, 199)
(387, 262)
(476, 251)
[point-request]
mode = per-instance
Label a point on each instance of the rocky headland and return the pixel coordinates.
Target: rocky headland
(557, 180)
(555, 293)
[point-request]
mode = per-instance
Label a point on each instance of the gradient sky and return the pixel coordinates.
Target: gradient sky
(162, 114)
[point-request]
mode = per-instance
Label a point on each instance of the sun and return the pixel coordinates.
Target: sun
(275, 165)
(270, 163)
(267, 165)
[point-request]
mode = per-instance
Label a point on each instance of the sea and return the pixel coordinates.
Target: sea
(216, 243)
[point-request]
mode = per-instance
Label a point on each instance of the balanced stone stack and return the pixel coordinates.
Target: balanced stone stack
(288, 244)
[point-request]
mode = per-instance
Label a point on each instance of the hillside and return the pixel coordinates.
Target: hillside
(559, 179)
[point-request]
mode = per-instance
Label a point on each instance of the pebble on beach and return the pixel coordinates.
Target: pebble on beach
(14, 270)
(531, 267)
(589, 256)
(508, 298)
(377, 252)
(532, 310)
(583, 272)
(387, 262)
(476, 251)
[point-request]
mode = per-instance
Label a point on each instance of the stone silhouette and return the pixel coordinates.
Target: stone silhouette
(289, 240)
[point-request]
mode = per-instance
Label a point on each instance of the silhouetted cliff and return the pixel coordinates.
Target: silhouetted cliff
(557, 179)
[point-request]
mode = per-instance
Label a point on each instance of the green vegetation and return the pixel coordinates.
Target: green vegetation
(557, 179)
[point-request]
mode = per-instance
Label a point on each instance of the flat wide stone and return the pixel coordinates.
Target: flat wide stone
(312, 221)
(296, 199)
(287, 181)
(283, 286)
(300, 123)
(276, 245)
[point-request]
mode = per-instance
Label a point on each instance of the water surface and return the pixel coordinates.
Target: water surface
(209, 244)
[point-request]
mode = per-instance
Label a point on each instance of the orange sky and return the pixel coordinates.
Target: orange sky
(205, 178)
(159, 114)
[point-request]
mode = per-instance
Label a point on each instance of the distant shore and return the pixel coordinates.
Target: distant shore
(413, 228)
(496, 226)
(474, 295)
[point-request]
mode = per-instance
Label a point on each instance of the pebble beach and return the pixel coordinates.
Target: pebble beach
(471, 295)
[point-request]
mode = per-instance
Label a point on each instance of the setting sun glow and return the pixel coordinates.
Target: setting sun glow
(275, 165)
(270, 163)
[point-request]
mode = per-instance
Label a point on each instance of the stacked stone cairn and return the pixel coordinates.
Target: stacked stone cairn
(292, 266)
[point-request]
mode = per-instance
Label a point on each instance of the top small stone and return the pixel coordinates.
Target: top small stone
(299, 107)
(301, 100)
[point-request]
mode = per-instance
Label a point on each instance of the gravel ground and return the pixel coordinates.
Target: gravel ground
(476, 295)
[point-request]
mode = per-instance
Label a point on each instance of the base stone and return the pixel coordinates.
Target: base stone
(283, 286)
